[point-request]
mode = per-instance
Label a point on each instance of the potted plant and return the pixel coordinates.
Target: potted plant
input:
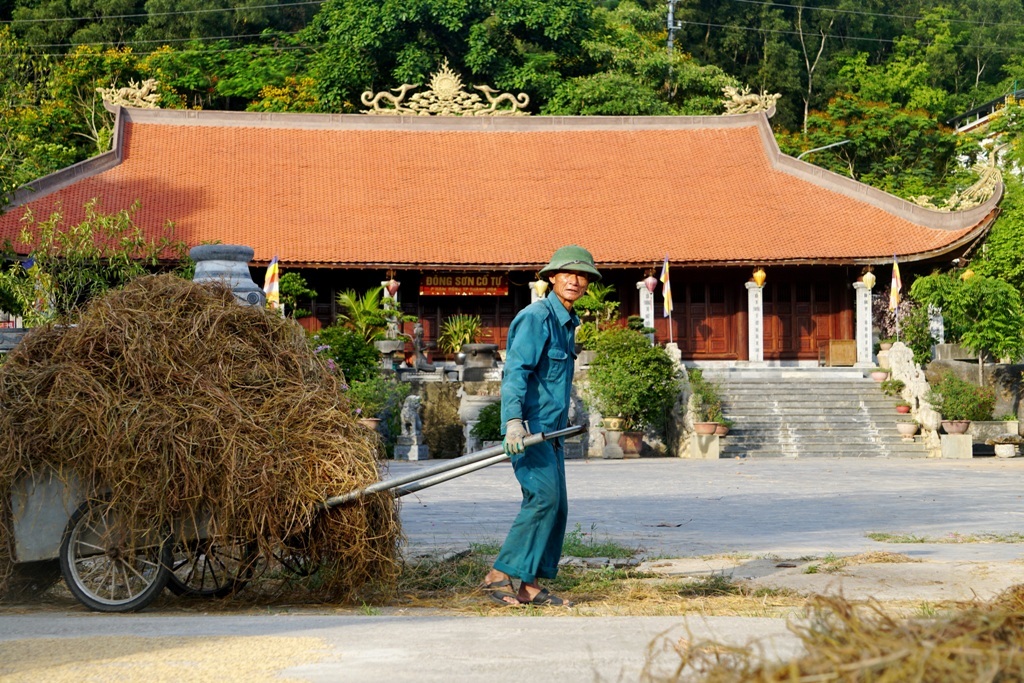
(879, 374)
(632, 379)
(707, 403)
(724, 425)
(369, 399)
(959, 402)
(903, 407)
(892, 387)
(907, 428)
(458, 331)
(488, 425)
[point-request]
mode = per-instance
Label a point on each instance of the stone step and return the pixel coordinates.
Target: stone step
(809, 412)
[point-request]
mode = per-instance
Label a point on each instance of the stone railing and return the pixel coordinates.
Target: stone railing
(903, 368)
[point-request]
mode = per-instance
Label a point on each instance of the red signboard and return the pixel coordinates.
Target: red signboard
(464, 284)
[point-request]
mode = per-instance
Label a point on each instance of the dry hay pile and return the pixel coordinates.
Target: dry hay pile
(846, 642)
(177, 400)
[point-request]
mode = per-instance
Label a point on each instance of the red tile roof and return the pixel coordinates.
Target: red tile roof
(409, 191)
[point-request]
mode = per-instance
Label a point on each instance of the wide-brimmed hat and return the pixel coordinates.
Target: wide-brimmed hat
(573, 258)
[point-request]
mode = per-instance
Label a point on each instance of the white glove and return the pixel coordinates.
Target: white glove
(515, 432)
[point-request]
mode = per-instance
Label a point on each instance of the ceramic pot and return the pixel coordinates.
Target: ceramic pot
(614, 424)
(705, 427)
(370, 422)
(721, 430)
(903, 410)
(631, 443)
(879, 376)
(955, 426)
(906, 429)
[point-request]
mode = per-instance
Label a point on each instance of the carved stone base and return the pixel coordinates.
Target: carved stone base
(409, 448)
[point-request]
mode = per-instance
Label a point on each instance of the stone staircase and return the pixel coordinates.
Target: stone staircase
(808, 413)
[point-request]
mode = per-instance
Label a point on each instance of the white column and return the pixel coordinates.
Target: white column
(646, 306)
(755, 323)
(862, 323)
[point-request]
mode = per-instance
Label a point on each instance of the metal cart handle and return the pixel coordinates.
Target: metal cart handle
(449, 469)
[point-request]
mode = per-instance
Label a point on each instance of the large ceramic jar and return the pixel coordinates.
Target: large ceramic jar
(228, 263)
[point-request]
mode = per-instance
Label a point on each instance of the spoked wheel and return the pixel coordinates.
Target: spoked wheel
(206, 569)
(294, 556)
(106, 566)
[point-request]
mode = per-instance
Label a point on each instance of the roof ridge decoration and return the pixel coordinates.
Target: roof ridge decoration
(744, 102)
(142, 95)
(989, 177)
(446, 97)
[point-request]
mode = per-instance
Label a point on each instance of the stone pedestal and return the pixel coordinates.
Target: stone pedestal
(469, 412)
(410, 448)
(705, 446)
(612, 450)
(957, 446)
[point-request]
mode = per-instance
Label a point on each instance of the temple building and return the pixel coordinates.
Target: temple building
(463, 210)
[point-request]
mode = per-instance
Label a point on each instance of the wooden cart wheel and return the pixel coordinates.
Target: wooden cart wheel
(106, 567)
(205, 569)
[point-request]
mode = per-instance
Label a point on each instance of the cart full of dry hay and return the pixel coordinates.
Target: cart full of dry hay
(111, 564)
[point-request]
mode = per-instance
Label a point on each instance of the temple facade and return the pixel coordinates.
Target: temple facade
(463, 210)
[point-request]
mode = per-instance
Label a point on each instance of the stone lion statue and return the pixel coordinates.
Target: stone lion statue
(412, 425)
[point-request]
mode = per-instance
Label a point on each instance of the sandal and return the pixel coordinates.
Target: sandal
(546, 599)
(499, 596)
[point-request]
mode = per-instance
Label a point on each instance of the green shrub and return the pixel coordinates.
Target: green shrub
(708, 397)
(373, 396)
(632, 379)
(488, 426)
(587, 334)
(958, 399)
(348, 351)
(892, 387)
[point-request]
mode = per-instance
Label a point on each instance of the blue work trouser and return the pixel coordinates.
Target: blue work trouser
(533, 546)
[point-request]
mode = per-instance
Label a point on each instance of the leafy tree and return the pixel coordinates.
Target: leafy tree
(74, 263)
(364, 45)
(901, 151)
(632, 74)
(985, 314)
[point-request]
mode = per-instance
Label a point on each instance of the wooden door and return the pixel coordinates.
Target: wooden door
(799, 318)
(706, 323)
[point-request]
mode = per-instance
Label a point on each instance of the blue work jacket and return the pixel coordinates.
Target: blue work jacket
(539, 364)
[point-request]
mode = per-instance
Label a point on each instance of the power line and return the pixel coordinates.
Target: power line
(909, 17)
(839, 37)
(162, 14)
(162, 40)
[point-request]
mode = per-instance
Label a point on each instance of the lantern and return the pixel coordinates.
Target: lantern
(759, 276)
(539, 286)
(868, 279)
(651, 283)
(967, 274)
(392, 287)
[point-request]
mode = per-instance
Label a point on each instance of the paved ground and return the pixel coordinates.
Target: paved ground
(680, 512)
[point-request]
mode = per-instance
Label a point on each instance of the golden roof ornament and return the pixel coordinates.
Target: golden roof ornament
(989, 177)
(744, 102)
(445, 97)
(142, 95)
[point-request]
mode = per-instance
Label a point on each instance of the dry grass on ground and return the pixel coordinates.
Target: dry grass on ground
(851, 642)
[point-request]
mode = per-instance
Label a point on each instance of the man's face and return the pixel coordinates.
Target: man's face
(569, 286)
